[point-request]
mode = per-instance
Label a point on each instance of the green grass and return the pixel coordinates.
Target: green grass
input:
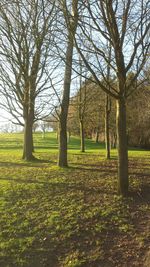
(70, 217)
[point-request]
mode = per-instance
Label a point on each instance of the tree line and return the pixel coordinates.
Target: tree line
(46, 45)
(92, 108)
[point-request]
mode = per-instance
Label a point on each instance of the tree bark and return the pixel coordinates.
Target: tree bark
(62, 160)
(97, 136)
(32, 141)
(123, 182)
(62, 157)
(28, 115)
(114, 140)
(68, 136)
(28, 141)
(107, 132)
(82, 145)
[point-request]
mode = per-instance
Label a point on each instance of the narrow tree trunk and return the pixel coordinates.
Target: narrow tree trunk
(43, 134)
(28, 141)
(32, 143)
(123, 182)
(82, 145)
(107, 132)
(57, 135)
(99, 123)
(68, 136)
(114, 140)
(97, 136)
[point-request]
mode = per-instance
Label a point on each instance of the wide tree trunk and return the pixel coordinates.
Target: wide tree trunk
(28, 114)
(28, 141)
(107, 131)
(82, 145)
(123, 182)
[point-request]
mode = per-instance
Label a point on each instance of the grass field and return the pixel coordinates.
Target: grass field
(71, 217)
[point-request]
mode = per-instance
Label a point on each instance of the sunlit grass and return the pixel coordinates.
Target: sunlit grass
(73, 216)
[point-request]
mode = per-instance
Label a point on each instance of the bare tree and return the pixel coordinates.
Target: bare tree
(26, 39)
(126, 26)
(71, 18)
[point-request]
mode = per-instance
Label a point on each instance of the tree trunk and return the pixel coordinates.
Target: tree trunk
(62, 158)
(68, 136)
(71, 26)
(28, 114)
(82, 146)
(107, 132)
(57, 135)
(32, 142)
(123, 182)
(114, 140)
(28, 141)
(97, 136)
(43, 134)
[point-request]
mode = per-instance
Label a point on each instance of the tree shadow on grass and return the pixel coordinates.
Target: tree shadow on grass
(139, 174)
(79, 234)
(97, 169)
(55, 146)
(141, 196)
(50, 241)
(25, 163)
(61, 187)
(16, 147)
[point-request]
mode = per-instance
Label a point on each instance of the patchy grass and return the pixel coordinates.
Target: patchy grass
(71, 217)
